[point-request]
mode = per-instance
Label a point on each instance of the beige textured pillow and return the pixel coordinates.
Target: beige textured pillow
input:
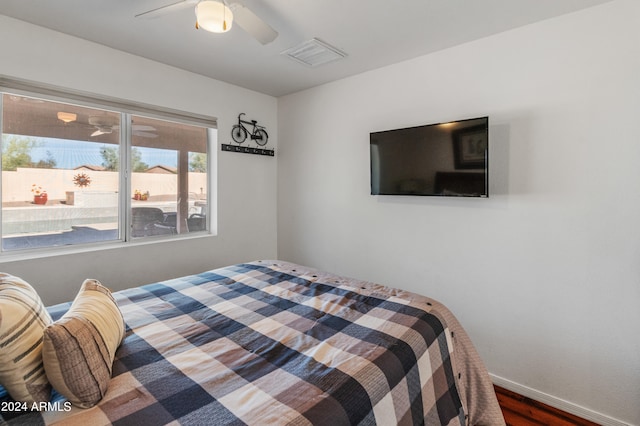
(79, 348)
(23, 318)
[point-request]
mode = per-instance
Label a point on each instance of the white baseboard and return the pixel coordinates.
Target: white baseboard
(558, 403)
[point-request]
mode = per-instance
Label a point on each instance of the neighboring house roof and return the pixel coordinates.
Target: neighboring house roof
(92, 167)
(160, 168)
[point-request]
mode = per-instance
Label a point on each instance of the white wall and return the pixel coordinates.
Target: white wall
(545, 274)
(246, 184)
(17, 184)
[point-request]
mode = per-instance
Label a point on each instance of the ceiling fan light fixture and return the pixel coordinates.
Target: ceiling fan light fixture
(67, 117)
(213, 16)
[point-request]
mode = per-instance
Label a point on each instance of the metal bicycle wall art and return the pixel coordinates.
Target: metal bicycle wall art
(249, 129)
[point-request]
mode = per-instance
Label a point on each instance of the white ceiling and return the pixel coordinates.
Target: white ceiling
(373, 33)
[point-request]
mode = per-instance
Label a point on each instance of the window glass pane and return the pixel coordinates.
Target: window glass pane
(169, 177)
(60, 176)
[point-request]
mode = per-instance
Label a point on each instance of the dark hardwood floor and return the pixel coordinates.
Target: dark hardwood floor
(522, 411)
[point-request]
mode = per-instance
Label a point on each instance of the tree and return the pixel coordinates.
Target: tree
(16, 152)
(111, 159)
(197, 162)
(49, 163)
(137, 165)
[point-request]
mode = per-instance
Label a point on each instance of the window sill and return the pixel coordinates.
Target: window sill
(22, 255)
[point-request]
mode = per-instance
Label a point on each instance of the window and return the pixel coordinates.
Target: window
(82, 172)
(169, 177)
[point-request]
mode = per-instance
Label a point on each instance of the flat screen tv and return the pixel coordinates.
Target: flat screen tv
(445, 159)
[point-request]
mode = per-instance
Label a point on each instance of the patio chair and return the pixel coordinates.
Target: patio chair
(144, 221)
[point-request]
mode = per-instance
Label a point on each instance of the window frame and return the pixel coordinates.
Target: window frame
(126, 109)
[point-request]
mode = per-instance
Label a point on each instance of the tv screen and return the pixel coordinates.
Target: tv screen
(445, 159)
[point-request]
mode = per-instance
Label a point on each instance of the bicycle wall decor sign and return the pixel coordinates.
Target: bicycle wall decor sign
(256, 133)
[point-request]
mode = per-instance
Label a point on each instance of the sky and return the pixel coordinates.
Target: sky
(71, 154)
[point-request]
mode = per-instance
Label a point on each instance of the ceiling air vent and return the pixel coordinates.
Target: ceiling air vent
(314, 52)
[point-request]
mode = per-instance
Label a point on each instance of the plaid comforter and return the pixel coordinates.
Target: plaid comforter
(272, 343)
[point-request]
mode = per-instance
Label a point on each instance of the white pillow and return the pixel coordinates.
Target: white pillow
(79, 348)
(23, 318)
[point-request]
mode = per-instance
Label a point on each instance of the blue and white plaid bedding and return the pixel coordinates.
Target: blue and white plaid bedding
(273, 343)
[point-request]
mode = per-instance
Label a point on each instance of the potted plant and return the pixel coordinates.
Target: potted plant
(39, 194)
(141, 196)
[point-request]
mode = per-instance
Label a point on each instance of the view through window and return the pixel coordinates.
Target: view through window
(169, 179)
(62, 175)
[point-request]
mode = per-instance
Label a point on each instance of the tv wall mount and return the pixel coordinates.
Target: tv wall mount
(256, 133)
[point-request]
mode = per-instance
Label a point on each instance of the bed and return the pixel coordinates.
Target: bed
(274, 343)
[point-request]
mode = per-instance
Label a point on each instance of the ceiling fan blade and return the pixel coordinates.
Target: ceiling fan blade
(145, 134)
(162, 10)
(97, 133)
(143, 128)
(252, 23)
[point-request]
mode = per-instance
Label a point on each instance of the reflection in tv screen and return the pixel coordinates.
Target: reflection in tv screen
(445, 159)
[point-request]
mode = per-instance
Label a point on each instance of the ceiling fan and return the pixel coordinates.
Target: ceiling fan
(105, 126)
(218, 16)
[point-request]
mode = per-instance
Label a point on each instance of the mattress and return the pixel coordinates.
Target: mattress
(274, 343)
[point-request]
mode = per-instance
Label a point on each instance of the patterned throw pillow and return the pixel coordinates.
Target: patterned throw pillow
(79, 348)
(23, 318)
